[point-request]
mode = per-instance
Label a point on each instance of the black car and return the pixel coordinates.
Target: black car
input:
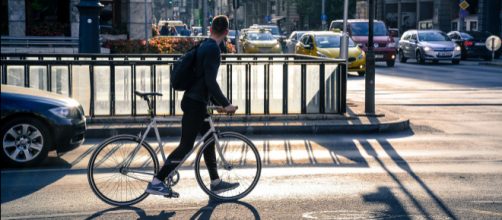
(34, 122)
(472, 44)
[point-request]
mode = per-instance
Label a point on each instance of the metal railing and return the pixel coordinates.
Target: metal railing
(258, 83)
(30, 41)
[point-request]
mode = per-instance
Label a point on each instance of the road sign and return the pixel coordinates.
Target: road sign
(324, 17)
(493, 43)
(463, 13)
(463, 5)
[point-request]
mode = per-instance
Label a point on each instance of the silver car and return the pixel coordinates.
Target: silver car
(292, 40)
(424, 45)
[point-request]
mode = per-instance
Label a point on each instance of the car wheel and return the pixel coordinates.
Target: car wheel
(25, 142)
(361, 73)
(390, 63)
(455, 61)
(420, 59)
(402, 58)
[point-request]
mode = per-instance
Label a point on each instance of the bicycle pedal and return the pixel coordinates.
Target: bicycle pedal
(173, 195)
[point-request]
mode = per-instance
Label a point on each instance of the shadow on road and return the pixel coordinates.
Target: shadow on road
(17, 184)
(401, 163)
(213, 210)
(394, 209)
(228, 210)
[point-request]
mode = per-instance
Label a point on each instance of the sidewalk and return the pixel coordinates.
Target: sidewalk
(353, 122)
(495, 62)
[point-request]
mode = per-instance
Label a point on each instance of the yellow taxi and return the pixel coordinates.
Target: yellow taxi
(259, 41)
(327, 44)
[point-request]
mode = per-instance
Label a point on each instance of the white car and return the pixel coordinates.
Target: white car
(292, 40)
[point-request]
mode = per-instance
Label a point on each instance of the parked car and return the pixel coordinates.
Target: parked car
(260, 41)
(196, 31)
(327, 44)
(426, 45)
(292, 40)
(385, 47)
(274, 29)
(472, 44)
(34, 122)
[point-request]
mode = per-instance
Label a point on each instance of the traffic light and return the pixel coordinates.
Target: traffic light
(236, 4)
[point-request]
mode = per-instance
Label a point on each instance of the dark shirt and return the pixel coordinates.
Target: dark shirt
(205, 86)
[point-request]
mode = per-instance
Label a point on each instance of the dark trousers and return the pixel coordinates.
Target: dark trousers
(192, 123)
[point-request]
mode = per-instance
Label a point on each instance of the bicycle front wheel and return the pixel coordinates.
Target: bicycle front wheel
(112, 180)
(239, 163)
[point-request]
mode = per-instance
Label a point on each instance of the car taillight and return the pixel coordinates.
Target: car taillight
(468, 43)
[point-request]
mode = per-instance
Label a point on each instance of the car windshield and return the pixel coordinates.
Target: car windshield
(361, 29)
(432, 36)
(466, 36)
(260, 36)
(330, 41)
(477, 35)
(273, 29)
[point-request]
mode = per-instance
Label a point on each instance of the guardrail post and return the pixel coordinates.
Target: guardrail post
(133, 88)
(341, 71)
(322, 89)
(4, 74)
(26, 76)
(91, 90)
(285, 88)
(266, 105)
(70, 80)
(303, 88)
(112, 89)
(49, 77)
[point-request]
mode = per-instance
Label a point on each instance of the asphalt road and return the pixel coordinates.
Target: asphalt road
(448, 167)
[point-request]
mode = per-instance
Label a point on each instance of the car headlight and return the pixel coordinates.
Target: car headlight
(427, 49)
(320, 54)
(391, 44)
(457, 48)
(63, 112)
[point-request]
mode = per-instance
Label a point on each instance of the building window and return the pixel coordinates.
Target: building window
(474, 26)
(110, 18)
(47, 17)
(5, 18)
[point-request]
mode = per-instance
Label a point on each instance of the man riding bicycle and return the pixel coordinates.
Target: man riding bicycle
(194, 106)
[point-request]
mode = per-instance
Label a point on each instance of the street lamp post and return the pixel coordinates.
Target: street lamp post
(369, 103)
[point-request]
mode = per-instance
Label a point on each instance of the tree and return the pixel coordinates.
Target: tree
(310, 12)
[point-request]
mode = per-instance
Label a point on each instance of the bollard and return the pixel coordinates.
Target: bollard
(89, 11)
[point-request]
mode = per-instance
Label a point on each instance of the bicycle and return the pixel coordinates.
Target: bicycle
(121, 166)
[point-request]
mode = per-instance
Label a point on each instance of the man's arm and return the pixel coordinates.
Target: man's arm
(210, 65)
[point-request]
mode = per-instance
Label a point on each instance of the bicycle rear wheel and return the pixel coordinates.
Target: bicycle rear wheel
(114, 183)
(243, 166)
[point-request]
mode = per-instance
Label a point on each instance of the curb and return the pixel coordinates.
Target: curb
(384, 127)
(490, 63)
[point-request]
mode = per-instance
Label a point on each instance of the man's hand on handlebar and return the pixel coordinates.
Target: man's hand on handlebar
(230, 109)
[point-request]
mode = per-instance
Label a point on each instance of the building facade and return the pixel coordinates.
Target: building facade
(481, 15)
(61, 18)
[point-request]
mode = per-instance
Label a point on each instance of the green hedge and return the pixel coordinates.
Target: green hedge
(158, 45)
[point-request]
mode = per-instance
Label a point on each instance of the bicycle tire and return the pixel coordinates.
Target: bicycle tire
(92, 164)
(257, 159)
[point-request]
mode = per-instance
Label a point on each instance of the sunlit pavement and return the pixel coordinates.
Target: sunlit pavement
(449, 166)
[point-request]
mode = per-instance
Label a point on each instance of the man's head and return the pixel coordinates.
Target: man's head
(219, 27)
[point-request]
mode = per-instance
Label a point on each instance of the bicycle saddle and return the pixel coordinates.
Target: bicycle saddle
(144, 94)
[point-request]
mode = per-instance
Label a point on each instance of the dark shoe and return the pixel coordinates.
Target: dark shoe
(160, 189)
(223, 186)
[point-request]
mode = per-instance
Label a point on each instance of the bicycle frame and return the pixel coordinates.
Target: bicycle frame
(153, 125)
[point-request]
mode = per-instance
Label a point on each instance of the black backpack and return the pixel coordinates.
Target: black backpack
(184, 70)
